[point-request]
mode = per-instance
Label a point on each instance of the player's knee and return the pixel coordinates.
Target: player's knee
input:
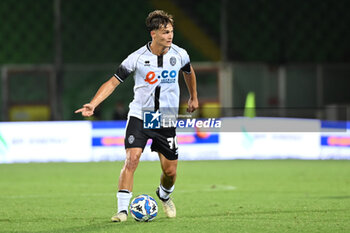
(131, 165)
(170, 171)
(132, 161)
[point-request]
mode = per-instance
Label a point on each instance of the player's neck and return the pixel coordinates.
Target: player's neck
(158, 50)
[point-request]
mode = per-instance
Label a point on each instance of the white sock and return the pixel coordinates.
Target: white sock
(124, 197)
(165, 193)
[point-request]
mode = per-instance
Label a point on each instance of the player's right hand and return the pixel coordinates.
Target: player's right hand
(87, 110)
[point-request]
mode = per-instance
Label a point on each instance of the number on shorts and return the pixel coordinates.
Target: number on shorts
(172, 143)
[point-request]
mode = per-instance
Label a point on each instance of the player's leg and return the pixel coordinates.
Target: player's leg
(126, 181)
(164, 142)
(126, 178)
(168, 176)
(135, 141)
(167, 185)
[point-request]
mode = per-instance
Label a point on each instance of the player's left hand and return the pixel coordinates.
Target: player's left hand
(192, 105)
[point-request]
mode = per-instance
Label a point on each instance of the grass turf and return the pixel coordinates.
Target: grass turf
(211, 196)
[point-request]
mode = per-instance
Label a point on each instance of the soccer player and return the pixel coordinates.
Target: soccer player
(155, 68)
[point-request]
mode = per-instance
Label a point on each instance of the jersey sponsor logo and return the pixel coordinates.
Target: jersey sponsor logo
(166, 76)
(151, 77)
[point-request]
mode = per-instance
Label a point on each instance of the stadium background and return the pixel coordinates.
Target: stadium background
(288, 61)
(259, 41)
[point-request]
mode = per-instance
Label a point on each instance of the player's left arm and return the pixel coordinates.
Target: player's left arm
(191, 83)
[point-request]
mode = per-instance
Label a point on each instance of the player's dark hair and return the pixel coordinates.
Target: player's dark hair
(157, 19)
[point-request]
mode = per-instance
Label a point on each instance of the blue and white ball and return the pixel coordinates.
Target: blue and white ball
(143, 208)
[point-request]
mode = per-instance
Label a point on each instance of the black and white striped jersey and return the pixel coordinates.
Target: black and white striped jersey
(156, 78)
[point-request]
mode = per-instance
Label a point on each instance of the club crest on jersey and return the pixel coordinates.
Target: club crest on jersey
(172, 61)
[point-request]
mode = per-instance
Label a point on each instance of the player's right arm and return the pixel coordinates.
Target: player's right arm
(103, 92)
(123, 71)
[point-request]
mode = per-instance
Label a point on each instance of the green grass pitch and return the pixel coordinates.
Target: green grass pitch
(211, 196)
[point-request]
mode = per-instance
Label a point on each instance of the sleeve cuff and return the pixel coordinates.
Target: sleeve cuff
(116, 76)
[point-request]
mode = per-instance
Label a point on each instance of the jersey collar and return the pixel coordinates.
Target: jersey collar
(148, 45)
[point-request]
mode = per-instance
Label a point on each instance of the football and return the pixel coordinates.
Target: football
(144, 208)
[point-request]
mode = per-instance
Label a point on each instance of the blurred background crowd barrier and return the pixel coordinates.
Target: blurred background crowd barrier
(293, 55)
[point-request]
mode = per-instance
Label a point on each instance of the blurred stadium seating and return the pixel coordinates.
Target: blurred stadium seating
(262, 36)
